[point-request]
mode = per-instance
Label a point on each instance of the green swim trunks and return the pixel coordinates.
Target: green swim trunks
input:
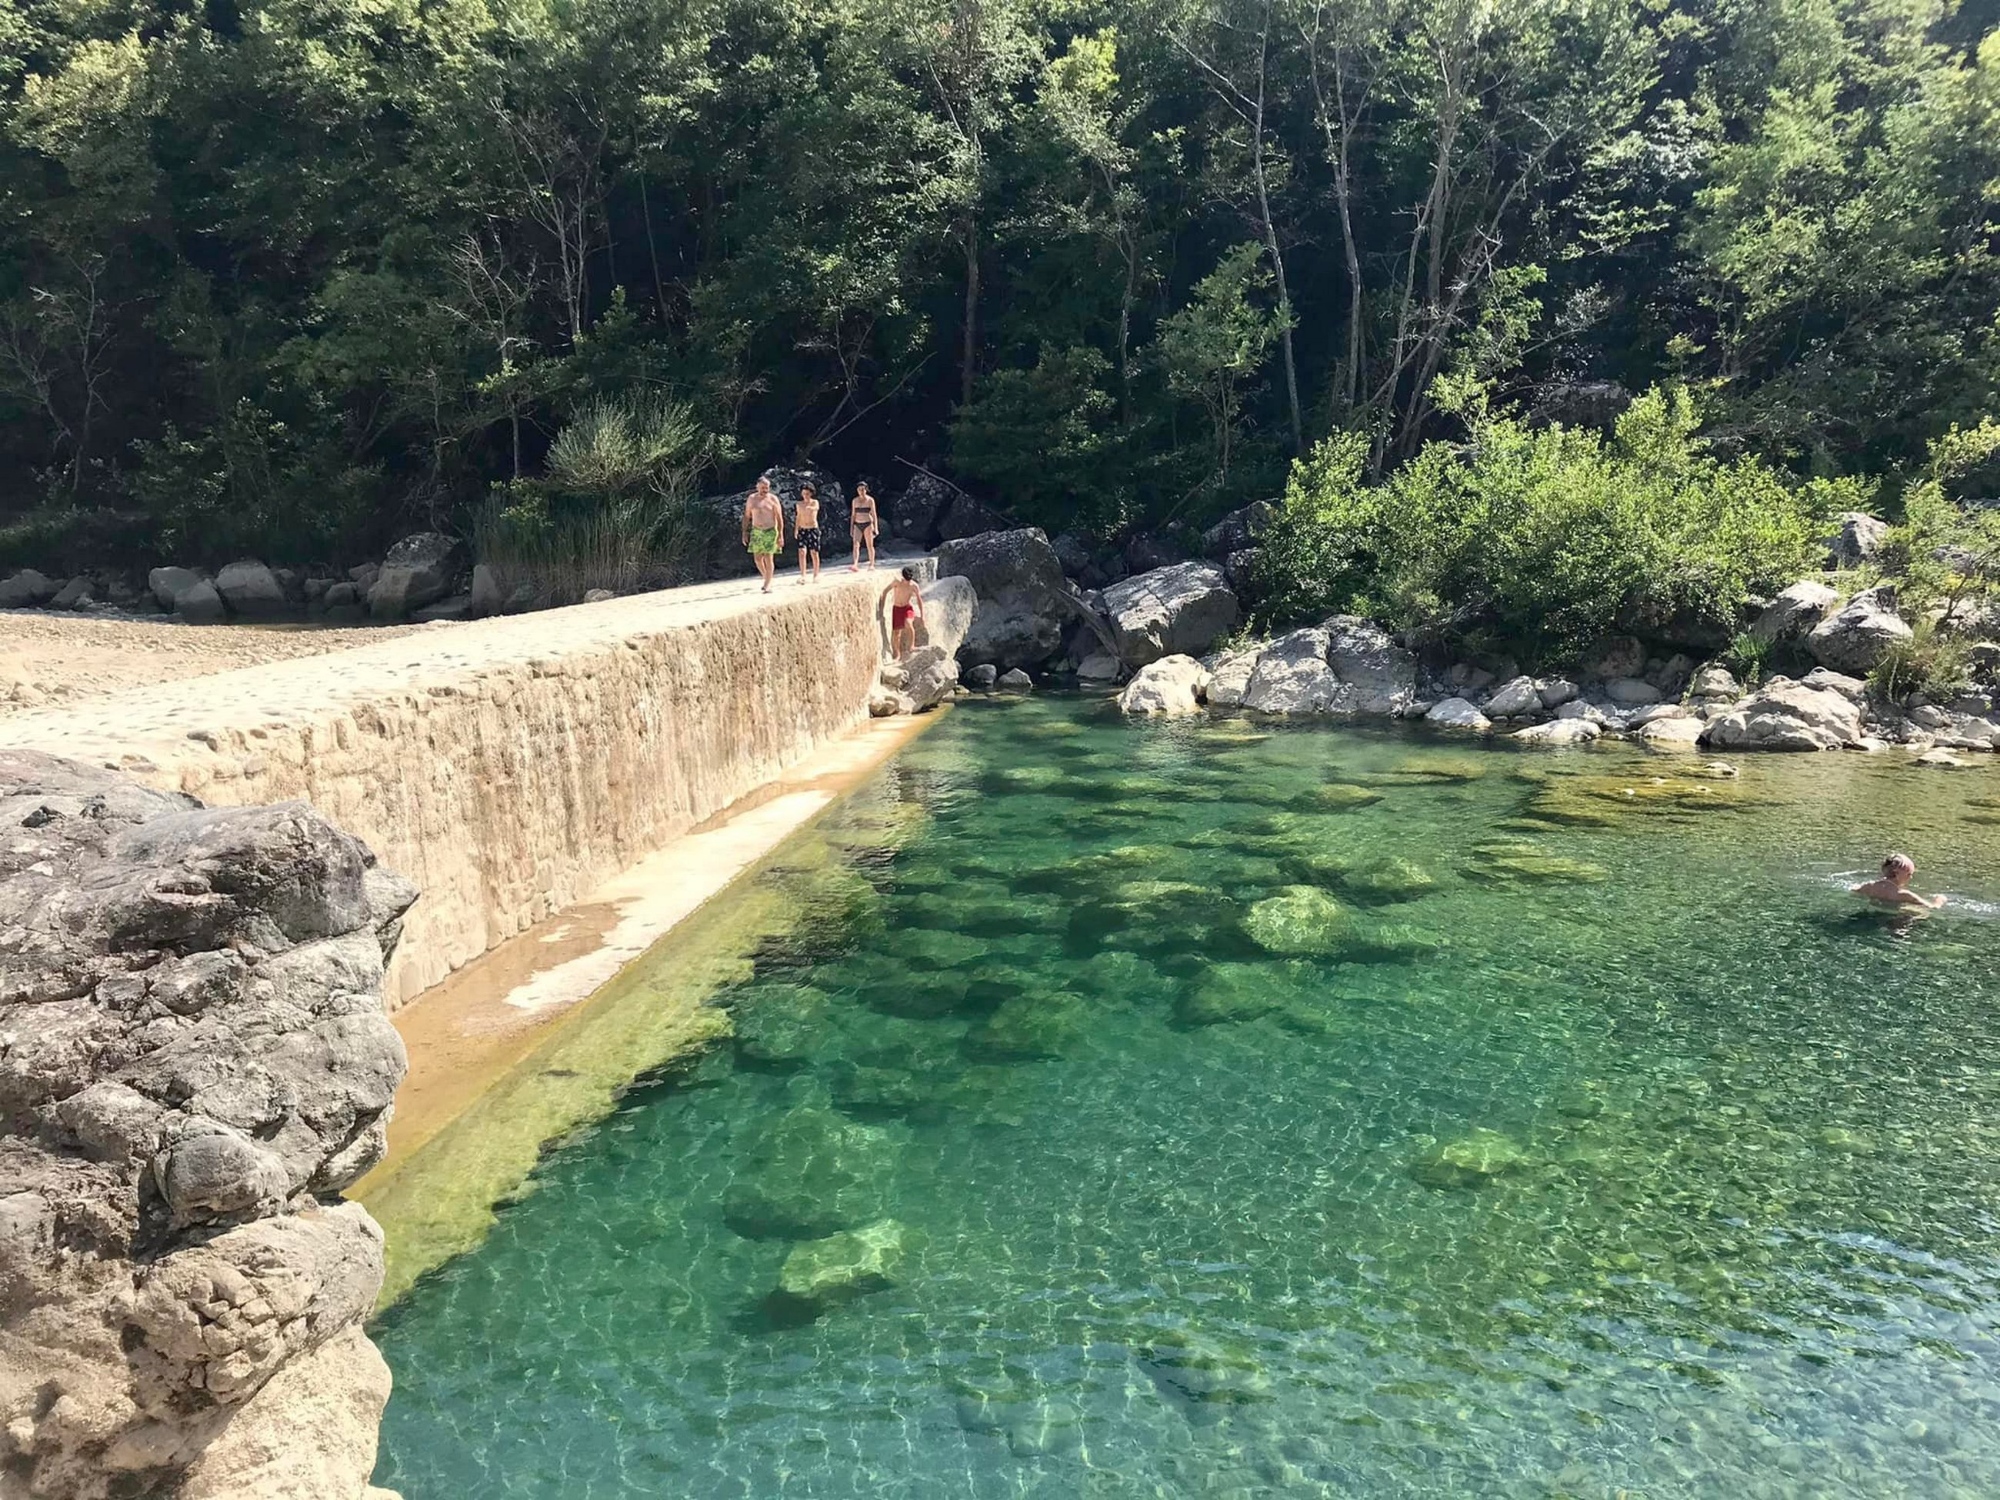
(763, 541)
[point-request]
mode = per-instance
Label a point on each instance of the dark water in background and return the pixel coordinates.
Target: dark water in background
(1734, 1231)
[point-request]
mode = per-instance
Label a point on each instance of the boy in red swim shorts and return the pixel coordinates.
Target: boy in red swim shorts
(906, 607)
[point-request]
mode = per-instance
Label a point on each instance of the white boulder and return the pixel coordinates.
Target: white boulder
(1179, 610)
(1513, 698)
(1172, 686)
(1558, 732)
(1795, 611)
(251, 589)
(1787, 715)
(1229, 675)
(1862, 632)
(1457, 713)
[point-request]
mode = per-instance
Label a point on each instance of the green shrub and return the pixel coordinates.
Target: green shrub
(1946, 555)
(1930, 661)
(614, 510)
(1545, 538)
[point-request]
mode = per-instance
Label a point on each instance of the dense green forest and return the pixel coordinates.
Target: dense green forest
(298, 277)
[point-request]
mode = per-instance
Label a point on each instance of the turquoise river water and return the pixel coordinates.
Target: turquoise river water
(1283, 1111)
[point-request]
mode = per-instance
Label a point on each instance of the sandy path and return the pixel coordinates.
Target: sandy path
(51, 660)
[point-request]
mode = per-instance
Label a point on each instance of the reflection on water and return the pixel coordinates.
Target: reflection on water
(1219, 1110)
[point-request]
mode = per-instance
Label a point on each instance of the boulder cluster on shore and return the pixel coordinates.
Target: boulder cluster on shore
(1168, 634)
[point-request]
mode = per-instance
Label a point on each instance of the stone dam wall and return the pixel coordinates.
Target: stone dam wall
(510, 766)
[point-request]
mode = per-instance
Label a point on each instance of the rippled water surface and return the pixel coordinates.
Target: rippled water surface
(1284, 1112)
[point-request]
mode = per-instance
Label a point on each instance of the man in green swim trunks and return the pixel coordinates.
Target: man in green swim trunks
(763, 529)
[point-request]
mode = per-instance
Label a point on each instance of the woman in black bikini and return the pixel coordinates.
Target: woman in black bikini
(806, 523)
(861, 520)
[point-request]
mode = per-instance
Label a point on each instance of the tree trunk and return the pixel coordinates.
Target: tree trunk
(971, 309)
(1271, 242)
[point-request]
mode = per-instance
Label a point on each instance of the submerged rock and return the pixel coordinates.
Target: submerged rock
(807, 1175)
(1030, 1027)
(1199, 1368)
(1300, 920)
(1341, 796)
(782, 1029)
(1379, 881)
(1228, 992)
(1469, 1161)
(1519, 862)
(825, 1272)
(1609, 801)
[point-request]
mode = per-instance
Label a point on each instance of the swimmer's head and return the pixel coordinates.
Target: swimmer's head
(910, 574)
(1899, 867)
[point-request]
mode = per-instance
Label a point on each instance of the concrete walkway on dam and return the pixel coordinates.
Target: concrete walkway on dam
(515, 767)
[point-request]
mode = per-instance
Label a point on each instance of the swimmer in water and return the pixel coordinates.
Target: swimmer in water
(1893, 888)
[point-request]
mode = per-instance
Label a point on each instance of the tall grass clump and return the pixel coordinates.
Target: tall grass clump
(1540, 539)
(614, 509)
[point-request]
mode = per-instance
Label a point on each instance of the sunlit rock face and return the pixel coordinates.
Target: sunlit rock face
(194, 1061)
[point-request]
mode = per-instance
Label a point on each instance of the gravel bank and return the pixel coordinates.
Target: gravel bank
(52, 660)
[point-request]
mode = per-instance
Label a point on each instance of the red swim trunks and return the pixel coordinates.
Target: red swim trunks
(899, 615)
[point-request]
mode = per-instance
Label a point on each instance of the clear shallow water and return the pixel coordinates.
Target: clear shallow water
(1200, 1219)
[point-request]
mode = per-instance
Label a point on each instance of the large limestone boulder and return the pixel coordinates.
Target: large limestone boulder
(929, 675)
(1458, 713)
(1793, 614)
(1787, 715)
(1179, 610)
(168, 584)
(1023, 605)
(27, 589)
(1512, 698)
(914, 514)
(966, 517)
(949, 607)
(198, 1062)
(1857, 540)
(419, 570)
(200, 604)
(1229, 675)
(1171, 686)
(1290, 676)
(1362, 655)
(1857, 638)
(1345, 665)
(252, 590)
(1239, 530)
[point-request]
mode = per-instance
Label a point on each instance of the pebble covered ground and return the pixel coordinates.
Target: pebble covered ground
(52, 660)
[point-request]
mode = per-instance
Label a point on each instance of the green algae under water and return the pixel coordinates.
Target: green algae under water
(1305, 1111)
